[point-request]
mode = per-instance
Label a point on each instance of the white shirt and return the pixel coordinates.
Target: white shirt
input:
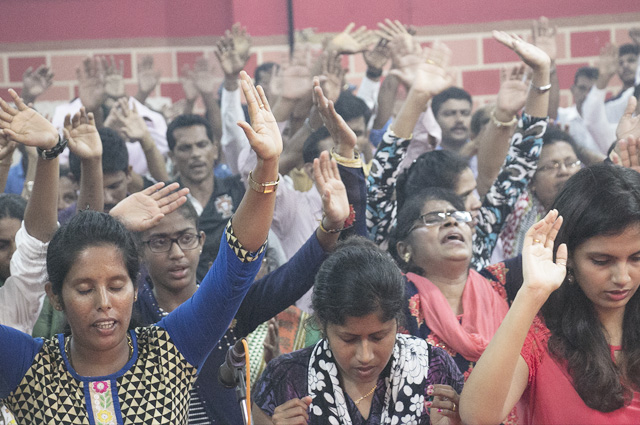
(577, 128)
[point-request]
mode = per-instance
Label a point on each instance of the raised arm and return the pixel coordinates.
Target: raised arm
(7, 147)
(501, 375)
(148, 78)
(34, 83)
(544, 37)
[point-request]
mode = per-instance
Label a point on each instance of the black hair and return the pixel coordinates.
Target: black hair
(188, 211)
(264, 67)
(12, 206)
(431, 169)
(410, 212)
(450, 93)
(599, 200)
(88, 229)
(311, 147)
(350, 106)
(479, 119)
(589, 72)
(115, 156)
(629, 49)
(187, 120)
(554, 134)
(357, 279)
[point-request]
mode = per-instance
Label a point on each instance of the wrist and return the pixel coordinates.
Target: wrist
(503, 115)
(373, 73)
(231, 82)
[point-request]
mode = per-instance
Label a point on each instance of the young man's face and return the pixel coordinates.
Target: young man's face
(627, 65)
(580, 90)
(454, 118)
(194, 154)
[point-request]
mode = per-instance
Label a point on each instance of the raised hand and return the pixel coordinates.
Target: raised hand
(7, 147)
(350, 42)
(128, 122)
(233, 50)
(629, 125)
(292, 412)
(263, 133)
(541, 273)
(187, 78)
(332, 77)
(148, 77)
(429, 73)
(634, 33)
(34, 83)
(628, 153)
(171, 112)
(204, 77)
(82, 134)
(340, 132)
(532, 55)
(113, 78)
(143, 210)
(335, 204)
(24, 125)
(544, 37)
(607, 65)
(91, 83)
(293, 80)
(514, 88)
(377, 57)
(444, 407)
(271, 342)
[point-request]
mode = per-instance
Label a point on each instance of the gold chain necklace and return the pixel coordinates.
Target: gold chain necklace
(366, 395)
(67, 347)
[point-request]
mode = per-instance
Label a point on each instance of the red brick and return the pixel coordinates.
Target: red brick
(494, 52)
(463, 52)
(251, 65)
(565, 100)
(561, 43)
(162, 62)
(55, 93)
(125, 58)
(172, 90)
(588, 43)
(567, 72)
(622, 37)
(2, 80)
(64, 67)
(131, 89)
(4, 92)
(481, 82)
(359, 65)
(17, 66)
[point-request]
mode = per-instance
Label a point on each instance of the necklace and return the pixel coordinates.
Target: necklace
(67, 349)
(366, 395)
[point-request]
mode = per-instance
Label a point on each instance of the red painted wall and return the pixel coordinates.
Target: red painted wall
(36, 20)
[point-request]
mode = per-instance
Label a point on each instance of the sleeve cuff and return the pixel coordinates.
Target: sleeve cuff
(243, 255)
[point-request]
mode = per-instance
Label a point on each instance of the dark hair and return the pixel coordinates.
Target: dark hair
(187, 120)
(350, 106)
(431, 169)
(115, 156)
(311, 147)
(589, 72)
(88, 229)
(629, 49)
(410, 212)
(356, 280)
(599, 200)
(188, 211)
(12, 206)
(479, 119)
(264, 67)
(450, 93)
(554, 134)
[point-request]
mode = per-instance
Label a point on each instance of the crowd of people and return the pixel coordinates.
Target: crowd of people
(390, 255)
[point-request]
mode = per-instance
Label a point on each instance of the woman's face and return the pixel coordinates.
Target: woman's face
(556, 165)
(174, 269)
(433, 246)
(97, 297)
(607, 268)
(362, 346)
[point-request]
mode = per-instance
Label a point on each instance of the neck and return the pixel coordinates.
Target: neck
(169, 300)
(612, 322)
(451, 283)
(201, 190)
(87, 362)
(452, 144)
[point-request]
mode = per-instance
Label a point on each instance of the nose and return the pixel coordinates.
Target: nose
(364, 353)
(103, 299)
(175, 251)
(620, 274)
(108, 197)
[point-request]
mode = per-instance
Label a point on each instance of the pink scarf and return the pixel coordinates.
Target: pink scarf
(483, 310)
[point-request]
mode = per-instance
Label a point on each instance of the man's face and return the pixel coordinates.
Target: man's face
(580, 89)
(359, 127)
(194, 154)
(114, 188)
(454, 118)
(627, 65)
(8, 228)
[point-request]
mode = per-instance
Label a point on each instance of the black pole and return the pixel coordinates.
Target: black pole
(291, 31)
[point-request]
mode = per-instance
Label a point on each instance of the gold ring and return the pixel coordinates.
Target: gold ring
(429, 61)
(455, 407)
(262, 106)
(536, 241)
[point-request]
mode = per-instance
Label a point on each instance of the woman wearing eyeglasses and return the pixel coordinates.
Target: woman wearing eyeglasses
(558, 161)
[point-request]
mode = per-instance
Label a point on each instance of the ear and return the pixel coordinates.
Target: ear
(308, 168)
(54, 300)
(129, 173)
(170, 155)
(403, 248)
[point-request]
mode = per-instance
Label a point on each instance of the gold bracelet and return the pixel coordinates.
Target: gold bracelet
(501, 124)
(268, 187)
(354, 162)
(330, 231)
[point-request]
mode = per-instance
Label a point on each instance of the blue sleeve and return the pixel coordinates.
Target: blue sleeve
(356, 185)
(280, 288)
(197, 325)
(17, 351)
(517, 171)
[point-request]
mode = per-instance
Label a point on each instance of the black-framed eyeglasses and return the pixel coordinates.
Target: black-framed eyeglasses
(569, 164)
(436, 218)
(185, 241)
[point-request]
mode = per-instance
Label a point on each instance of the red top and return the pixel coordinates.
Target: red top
(550, 397)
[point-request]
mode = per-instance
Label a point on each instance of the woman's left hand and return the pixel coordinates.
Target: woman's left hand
(444, 407)
(263, 133)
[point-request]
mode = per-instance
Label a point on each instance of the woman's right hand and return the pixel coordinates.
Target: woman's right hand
(541, 273)
(293, 412)
(532, 55)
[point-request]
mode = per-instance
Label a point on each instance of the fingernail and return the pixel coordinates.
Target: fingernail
(430, 387)
(429, 391)
(428, 404)
(439, 410)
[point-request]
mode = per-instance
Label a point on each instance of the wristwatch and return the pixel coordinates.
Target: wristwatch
(268, 187)
(54, 151)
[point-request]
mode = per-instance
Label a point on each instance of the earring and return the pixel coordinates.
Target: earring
(406, 257)
(58, 307)
(570, 277)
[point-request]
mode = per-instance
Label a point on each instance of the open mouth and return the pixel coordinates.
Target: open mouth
(453, 237)
(105, 325)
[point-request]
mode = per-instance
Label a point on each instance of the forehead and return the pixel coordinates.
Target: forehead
(584, 81)
(97, 262)
(170, 224)
(466, 181)
(364, 325)
(556, 151)
(621, 245)
(357, 124)
(436, 206)
(454, 105)
(114, 177)
(190, 134)
(9, 227)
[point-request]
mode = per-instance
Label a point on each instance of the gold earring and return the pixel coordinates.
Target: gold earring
(406, 257)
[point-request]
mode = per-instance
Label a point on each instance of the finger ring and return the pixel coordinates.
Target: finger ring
(455, 407)
(429, 61)
(536, 241)
(262, 106)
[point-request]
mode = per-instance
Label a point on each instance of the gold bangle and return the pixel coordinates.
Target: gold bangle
(268, 187)
(501, 124)
(354, 162)
(330, 231)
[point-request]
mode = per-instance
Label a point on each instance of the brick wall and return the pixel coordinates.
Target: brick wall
(477, 58)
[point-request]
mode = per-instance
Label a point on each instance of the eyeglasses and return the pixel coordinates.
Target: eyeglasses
(436, 218)
(186, 241)
(569, 164)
